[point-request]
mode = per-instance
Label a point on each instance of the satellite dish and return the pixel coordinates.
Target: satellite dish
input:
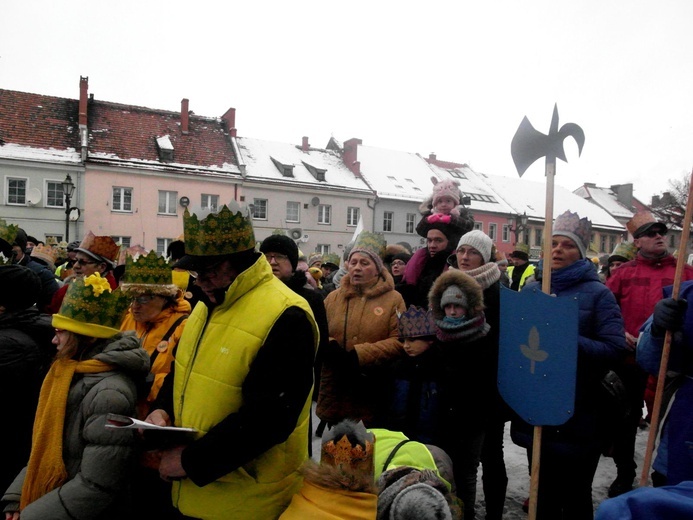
(33, 196)
(74, 214)
(315, 201)
(296, 233)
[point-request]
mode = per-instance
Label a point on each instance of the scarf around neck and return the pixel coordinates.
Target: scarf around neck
(46, 469)
(580, 271)
(486, 275)
(466, 329)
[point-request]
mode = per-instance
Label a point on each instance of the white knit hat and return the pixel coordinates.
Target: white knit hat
(479, 241)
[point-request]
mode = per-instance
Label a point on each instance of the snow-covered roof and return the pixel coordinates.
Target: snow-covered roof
(606, 198)
(263, 160)
(50, 155)
(530, 197)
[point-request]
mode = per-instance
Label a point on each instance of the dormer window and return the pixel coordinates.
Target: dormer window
(287, 170)
(165, 148)
(318, 173)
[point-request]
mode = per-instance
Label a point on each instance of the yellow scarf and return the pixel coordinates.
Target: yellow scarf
(46, 470)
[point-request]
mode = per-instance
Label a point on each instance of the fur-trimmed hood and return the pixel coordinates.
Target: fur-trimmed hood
(384, 284)
(466, 283)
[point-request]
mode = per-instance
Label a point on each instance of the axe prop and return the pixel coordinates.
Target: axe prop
(527, 146)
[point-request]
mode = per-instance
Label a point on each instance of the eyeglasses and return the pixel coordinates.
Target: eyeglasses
(654, 232)
(84, 262)
(397, 263)
(142, 300)
(208, 271)
(277, 257)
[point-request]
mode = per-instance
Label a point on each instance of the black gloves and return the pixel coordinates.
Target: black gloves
(338, 358)
(668, 315)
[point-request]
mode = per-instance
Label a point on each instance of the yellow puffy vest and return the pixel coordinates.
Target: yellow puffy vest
(213, 359)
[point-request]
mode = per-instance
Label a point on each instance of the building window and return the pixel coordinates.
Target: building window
(602, 243)
(506, 233)
(352, 216)
(537, 236)
(388, 217)
(54, 194)
(323, 249)
(123, 241)
(167, 202)
(210, 202)
(479, 226)
(16, 191)
(409, 223)
(260, 209)
(525, 236)
(122, 199)
(162, 245)
(293, 211)
(492, 231)
(324, 214)
(612, 243)
(672, 241)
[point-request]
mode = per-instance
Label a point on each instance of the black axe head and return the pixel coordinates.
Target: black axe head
(529, 144)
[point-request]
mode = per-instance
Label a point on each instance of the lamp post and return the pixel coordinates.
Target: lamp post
(68, 191)
(520, 223)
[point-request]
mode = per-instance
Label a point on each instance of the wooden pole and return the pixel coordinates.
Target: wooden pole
(664, 363)
(546, 288)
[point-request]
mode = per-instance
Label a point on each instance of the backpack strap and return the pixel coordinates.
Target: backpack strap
(166, 336)
(393, 453)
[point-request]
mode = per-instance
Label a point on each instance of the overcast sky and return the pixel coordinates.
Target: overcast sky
(454, 78)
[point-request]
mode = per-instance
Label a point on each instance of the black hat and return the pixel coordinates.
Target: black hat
(281, 244)
(21, 239)
(19, 287)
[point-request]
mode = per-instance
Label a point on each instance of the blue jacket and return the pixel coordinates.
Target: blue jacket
(601, 343)
(674, 453)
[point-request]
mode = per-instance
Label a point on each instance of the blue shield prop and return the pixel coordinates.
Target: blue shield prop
(538, 355)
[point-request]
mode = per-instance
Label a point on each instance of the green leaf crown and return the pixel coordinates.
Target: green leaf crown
(221, 233)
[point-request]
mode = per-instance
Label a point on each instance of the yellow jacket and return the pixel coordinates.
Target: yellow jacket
(212, 362)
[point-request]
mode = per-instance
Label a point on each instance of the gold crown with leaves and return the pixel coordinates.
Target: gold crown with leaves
(47, 253)
(221, 233)
(148, 274)
(91, 308)
(350, 448)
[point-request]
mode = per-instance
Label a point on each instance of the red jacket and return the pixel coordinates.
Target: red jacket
(58, 296)
(638, 286)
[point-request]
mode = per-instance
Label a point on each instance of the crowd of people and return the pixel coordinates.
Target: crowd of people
(225, 346)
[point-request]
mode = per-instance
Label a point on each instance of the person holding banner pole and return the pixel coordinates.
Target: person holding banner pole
(570, 452)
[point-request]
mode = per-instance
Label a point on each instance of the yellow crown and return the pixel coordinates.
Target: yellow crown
(221, 233)
(48, 254)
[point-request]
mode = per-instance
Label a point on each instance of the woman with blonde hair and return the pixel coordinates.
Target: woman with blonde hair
(78, 468)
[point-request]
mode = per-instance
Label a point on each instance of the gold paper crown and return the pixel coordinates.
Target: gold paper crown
(640, 219)
(349, 455)
(625, 249)
(91, 308)
(148, 274)
(48, 254)
(571, 223)
(8, 233)
(331, 258)
(373, 242)
(102, 246)
(130, 251)
(221, 233)
(523, 248)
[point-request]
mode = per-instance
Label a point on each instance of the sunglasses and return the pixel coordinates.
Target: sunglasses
(142, 300)
(85, 262)
(654, 232)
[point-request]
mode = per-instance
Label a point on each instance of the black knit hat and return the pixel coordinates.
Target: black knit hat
(21, 239)
(281, 244)
(19, 287)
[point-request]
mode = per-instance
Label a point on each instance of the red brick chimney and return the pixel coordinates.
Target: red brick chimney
(230, 118)
(350, 155)
(304, 144)
(184, 116)
(83, 90)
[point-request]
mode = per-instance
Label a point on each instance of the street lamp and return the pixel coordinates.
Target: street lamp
(68, 191)
(520, 223)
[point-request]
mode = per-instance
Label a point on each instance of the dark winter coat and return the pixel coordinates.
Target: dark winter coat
(420, 274)
(601, 344)
(49, 285)
(25, 354)
(97, 459)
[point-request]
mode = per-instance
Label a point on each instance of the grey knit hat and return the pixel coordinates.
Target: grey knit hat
(479, 241)
(407, 493)
(453, 294)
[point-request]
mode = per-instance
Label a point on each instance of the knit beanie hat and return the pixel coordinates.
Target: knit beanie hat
(407, 493)
(479, 241)
(19, 287)
(446, 188)
(21, 239)
(453, 294)
(575, 228)
(283, 245)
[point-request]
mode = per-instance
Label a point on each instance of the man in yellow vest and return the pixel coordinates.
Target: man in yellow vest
(242, 378)
(521, 268)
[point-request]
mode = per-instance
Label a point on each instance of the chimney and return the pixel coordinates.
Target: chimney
(350, 155)
(184, 116)
(624, 194)
(83, 89)
(432, 157)
(230, 118)
(590, 185)
(304, 144)
(655, 200)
